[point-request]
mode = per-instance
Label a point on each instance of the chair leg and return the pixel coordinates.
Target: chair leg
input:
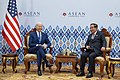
(76, 68)
(60, 65)
(107, 68)
(113, 70)
(4, 64)
(28, 66)
(50, 68)
(101, 69)
(13, 65)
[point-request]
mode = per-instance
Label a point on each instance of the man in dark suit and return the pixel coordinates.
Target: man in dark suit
(95, 44)
(38, 42)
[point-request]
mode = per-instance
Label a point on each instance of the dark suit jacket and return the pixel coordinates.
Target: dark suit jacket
(96, 43)
(33, 40)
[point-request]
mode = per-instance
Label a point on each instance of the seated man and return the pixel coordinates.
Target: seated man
(95, 44)
(38, 42)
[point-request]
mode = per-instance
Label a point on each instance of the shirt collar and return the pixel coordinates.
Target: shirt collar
(95, 33)
(38, 33)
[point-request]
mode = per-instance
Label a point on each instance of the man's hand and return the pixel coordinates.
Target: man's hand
(103, 49)
(38, 45)
(44, 46)
(88, 47)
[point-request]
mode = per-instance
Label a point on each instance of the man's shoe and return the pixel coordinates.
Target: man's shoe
(39, 73)
(48, 65)
(80, 74)
(89, 75)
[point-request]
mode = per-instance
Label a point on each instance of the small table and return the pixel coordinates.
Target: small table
(13, 57)
(111, 68)
(66, 58)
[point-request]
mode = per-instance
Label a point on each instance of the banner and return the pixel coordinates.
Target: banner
(67, 13)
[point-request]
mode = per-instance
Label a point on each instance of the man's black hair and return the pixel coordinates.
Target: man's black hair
(95, 25)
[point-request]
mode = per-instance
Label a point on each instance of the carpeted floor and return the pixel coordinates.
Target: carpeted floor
(65, 74)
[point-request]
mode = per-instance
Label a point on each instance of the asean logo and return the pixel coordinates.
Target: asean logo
(64, 14)
(110, 14)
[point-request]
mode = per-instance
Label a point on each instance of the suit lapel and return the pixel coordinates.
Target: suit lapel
(42, 36)
(97, 34)
(90, 36)
(37, 36)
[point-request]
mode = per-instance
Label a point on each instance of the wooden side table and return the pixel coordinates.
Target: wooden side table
(13, 57)
(66, 58)
(111, 67)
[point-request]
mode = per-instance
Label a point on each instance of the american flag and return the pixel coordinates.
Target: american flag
(11, 29)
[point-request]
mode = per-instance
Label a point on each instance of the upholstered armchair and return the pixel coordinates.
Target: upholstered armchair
(102, 60)
(33, 57)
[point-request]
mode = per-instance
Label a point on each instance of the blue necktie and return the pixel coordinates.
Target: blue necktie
(39, 37)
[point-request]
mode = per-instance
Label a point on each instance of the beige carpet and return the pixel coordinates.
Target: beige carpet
(65, 74)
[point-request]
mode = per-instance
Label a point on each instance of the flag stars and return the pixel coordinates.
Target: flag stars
(10, 3)
(10, 0)
(12, 9)
(13, 3)
(12, 14)
(9, 10)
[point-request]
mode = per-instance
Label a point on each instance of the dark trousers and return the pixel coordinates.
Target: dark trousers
(40, 53)
(91, 63)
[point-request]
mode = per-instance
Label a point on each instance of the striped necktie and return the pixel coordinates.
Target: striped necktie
(93, 35)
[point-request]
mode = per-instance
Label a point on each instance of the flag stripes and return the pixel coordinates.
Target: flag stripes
(11, 29)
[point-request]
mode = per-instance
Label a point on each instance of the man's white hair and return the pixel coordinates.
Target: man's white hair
(38, 23)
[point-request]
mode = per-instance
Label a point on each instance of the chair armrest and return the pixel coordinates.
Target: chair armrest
(25, 50)
(108, 51)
